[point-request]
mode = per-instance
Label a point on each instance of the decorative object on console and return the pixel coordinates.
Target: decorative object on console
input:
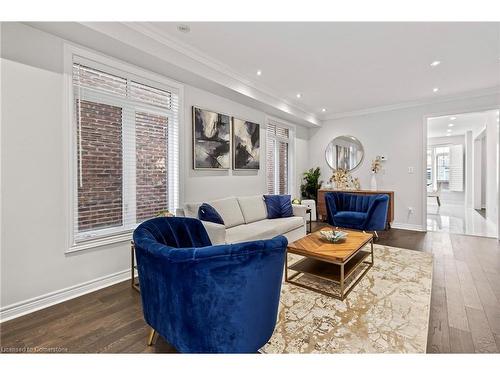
(198, 296)
(375, 168)
(246, 144)
(208, 213)
(278, 206)
(343, 179)
(311, 184)
(295, 201)
(211, 139)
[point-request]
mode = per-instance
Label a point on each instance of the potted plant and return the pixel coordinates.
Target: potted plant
(311, 184)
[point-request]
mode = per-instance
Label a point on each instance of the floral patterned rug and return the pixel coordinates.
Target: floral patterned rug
(387, 312)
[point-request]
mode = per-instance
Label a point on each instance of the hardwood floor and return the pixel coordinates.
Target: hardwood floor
(465, 306)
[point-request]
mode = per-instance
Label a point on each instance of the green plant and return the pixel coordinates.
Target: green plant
(311, 184)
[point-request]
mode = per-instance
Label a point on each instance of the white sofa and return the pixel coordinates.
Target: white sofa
(245, 219)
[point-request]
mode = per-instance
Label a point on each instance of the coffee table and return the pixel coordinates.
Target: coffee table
(335, 262)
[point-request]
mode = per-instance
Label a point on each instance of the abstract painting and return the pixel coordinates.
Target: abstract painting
(246, 144)
(211, 139)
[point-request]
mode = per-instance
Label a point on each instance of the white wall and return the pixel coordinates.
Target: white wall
(492, 166)
(399, 135)
(34, 212)
(203, 184)
(469, 161)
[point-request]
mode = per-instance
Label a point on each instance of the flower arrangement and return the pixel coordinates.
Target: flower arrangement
(342, 179)
(376, 165)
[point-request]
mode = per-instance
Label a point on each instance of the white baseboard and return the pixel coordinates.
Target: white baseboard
(408, 226)
(37, 303)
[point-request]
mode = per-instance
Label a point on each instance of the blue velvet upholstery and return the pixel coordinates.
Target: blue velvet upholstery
(203, 298)
(208, 213)
(278, 206)
(357, 211)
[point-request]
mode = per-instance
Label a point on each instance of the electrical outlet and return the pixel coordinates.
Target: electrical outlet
(410, 210)
(411, 170)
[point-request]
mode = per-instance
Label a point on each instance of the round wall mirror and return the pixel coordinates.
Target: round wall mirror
(344, 152)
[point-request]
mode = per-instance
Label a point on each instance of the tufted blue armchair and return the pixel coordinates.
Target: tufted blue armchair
(357, 211)
(203, 298)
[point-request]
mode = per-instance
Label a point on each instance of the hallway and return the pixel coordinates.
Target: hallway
(458, 219)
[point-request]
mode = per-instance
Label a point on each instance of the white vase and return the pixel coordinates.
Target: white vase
(373, 182)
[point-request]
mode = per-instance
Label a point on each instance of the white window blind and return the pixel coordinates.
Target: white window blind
(277, 158)
(456, 168)
(125, 152)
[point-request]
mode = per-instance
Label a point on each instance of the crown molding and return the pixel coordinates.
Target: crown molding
(495, 90)
(200, 64)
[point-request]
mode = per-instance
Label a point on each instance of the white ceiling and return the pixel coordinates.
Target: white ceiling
(438, 126)
(350, 66)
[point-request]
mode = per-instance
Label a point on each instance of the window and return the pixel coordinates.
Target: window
(429, 167)
(445, 167)
(125, 150)
(277, 158)
(442, 164)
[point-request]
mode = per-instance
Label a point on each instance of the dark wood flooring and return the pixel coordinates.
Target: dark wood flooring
(465, 306)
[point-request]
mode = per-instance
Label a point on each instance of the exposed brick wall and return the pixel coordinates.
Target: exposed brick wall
(151, 170)
(100, 192)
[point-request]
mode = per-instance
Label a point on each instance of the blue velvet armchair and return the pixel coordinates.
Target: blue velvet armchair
(357, 211)
(203, 298)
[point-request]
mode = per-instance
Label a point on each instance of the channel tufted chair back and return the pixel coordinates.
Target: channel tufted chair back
(203, 298)
(357, 211)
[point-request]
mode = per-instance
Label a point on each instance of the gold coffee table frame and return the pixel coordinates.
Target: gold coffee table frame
(334, 262)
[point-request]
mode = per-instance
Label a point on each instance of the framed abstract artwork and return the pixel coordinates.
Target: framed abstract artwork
(246, 145)
(211, 139)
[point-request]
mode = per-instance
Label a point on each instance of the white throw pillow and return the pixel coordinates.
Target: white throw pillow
(253, 208)
(230, 211)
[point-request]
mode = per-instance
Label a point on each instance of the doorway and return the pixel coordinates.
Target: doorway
(462, 173)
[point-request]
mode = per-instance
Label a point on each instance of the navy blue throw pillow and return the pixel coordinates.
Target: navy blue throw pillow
(278, 206)
(208, 213)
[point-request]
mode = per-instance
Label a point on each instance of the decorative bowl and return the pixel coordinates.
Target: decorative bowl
(333, 235)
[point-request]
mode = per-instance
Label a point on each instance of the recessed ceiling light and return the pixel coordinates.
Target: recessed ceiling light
(259, 72)
(183, 28)
(448, 134)
(435, 89)
(449, 130)
(450, 125)
(453, 118)
(435, 63)
(323, 110)
(299, 95)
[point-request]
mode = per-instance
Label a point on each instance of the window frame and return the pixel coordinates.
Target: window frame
(291, 152)
(110, 65)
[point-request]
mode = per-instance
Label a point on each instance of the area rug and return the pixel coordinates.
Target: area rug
(387, 312)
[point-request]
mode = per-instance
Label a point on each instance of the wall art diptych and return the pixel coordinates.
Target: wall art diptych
(211, 139)
(246, 144)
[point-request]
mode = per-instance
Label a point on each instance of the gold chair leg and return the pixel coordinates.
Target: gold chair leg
(153, 335)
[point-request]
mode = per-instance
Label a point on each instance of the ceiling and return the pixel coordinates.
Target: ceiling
(439, 126)
(345, 67)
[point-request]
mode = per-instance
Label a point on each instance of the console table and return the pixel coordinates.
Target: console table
(322, 204)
